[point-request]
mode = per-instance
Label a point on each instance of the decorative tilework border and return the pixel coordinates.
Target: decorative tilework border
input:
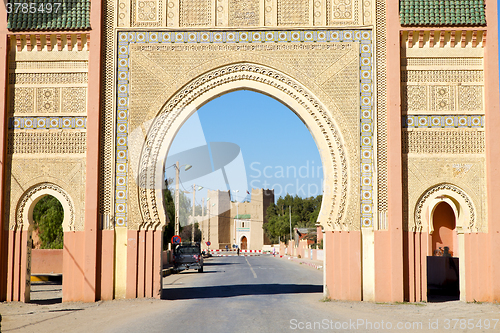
(21, 123)
(230, 37)
(364, 37)
(447, 121)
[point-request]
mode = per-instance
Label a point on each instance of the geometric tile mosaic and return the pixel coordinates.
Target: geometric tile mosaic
(20, 123)
(366, 115)
(446, 121)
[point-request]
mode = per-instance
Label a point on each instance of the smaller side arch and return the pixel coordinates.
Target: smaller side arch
(465, 221)
(28, 201)
(462, 205)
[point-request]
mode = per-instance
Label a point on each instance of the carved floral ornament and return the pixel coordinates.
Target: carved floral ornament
(152, 154)
(37, 191)
(466, 217)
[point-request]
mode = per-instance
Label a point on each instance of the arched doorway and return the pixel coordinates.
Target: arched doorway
(443, 266)
(444, 234)
(243, 243)
(25, 221)
(47, 251)
(444, 215)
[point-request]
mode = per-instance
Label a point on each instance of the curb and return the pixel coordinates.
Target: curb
(167, 271)
(46, 277)
(318, 267)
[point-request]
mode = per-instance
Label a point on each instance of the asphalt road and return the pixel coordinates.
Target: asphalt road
(236, 294)
(247, 294)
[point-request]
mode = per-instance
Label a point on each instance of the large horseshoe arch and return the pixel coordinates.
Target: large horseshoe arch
(252, 77)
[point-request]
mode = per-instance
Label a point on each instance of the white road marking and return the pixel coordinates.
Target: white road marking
(254, 275)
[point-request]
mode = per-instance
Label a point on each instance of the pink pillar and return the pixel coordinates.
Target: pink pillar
(157, 263)
(107, 264)
(132, 263)
(149, 263)
(4, 72)
(141, 269)
(92, 258)
(492, 137)
(394, 153)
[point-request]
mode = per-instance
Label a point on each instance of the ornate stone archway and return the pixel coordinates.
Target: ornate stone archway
(163, 76)
(259, 78)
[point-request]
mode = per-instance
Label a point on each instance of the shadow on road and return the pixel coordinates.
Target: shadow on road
(220, 263)
(47, 301)
(239, 290)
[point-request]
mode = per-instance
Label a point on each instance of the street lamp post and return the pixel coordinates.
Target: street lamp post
(237, 216)
(192, 227)
(177, 171)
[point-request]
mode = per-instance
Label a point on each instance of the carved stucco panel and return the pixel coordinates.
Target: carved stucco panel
(467, 173)
(29, 172)
(156, 75)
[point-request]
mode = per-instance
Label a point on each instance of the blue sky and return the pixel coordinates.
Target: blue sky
(277, 149)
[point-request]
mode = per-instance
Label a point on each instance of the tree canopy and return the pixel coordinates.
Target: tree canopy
(304, 213)
(48, 216)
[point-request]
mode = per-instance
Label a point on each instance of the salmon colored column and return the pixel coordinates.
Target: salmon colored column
(343, 265)
(24, 292)
(4, 72)
(149, 264)
(132, 264)
(73, 266)
(492, 124)
(394, 157)
(17, 267)
(141, 269)
(10, 265)
(92, 164)
(67, 287)
(157, 263)
(107, 264)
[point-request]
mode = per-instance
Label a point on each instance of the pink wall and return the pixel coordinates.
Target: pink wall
(4, 237)
(106, 271)
(92, 259)
(144, 264)
(478, 274)
(343, 269)
(415, 266)
(319, 234)
(46, 261)
(73, 266)
(302, 248)
(393, 240)
(16, 265)
(491, 242)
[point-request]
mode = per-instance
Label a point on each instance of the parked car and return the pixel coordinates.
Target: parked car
(188, 256)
